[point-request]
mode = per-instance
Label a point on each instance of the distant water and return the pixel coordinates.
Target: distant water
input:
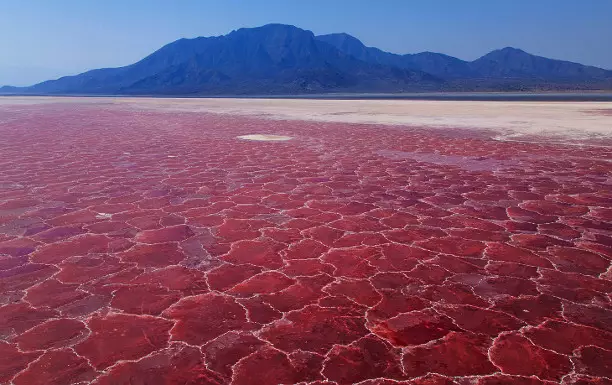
(475, 96)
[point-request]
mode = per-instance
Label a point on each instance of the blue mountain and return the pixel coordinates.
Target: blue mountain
(497, 70)
(271, 59)
(283, 59)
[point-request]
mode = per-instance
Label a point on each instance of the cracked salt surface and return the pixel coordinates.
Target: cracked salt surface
(337, 262)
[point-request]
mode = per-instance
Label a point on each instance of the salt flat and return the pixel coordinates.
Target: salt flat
(216, 241)
(569, 120)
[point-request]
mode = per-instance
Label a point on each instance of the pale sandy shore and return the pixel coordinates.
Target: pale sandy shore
(508, 120)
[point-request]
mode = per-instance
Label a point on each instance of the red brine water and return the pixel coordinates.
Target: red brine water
(148, 247)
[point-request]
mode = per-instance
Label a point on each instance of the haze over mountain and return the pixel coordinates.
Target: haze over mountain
(283, 59)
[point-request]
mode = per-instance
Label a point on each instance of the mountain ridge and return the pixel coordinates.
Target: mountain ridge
(284, 59)
(460, 68)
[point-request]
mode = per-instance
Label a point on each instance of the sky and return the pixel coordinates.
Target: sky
(43, 39)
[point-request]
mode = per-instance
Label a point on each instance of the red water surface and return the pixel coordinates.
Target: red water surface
(149, 247)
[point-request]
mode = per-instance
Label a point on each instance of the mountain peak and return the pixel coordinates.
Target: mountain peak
(511, 50)
(505, 53)
(273, 28)
(510, 62)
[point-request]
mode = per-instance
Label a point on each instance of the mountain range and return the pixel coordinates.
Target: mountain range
(283, 59)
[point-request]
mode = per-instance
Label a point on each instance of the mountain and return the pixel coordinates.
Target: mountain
(274, 58)
(496, 67)
(283, 59)
(515, 63)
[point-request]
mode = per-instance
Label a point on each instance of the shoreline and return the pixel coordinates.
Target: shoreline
(559, 121)
(544, 96)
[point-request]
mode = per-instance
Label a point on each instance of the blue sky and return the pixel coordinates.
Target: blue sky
(48, 38)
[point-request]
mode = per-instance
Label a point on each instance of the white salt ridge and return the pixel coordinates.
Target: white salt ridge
(264, 138)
